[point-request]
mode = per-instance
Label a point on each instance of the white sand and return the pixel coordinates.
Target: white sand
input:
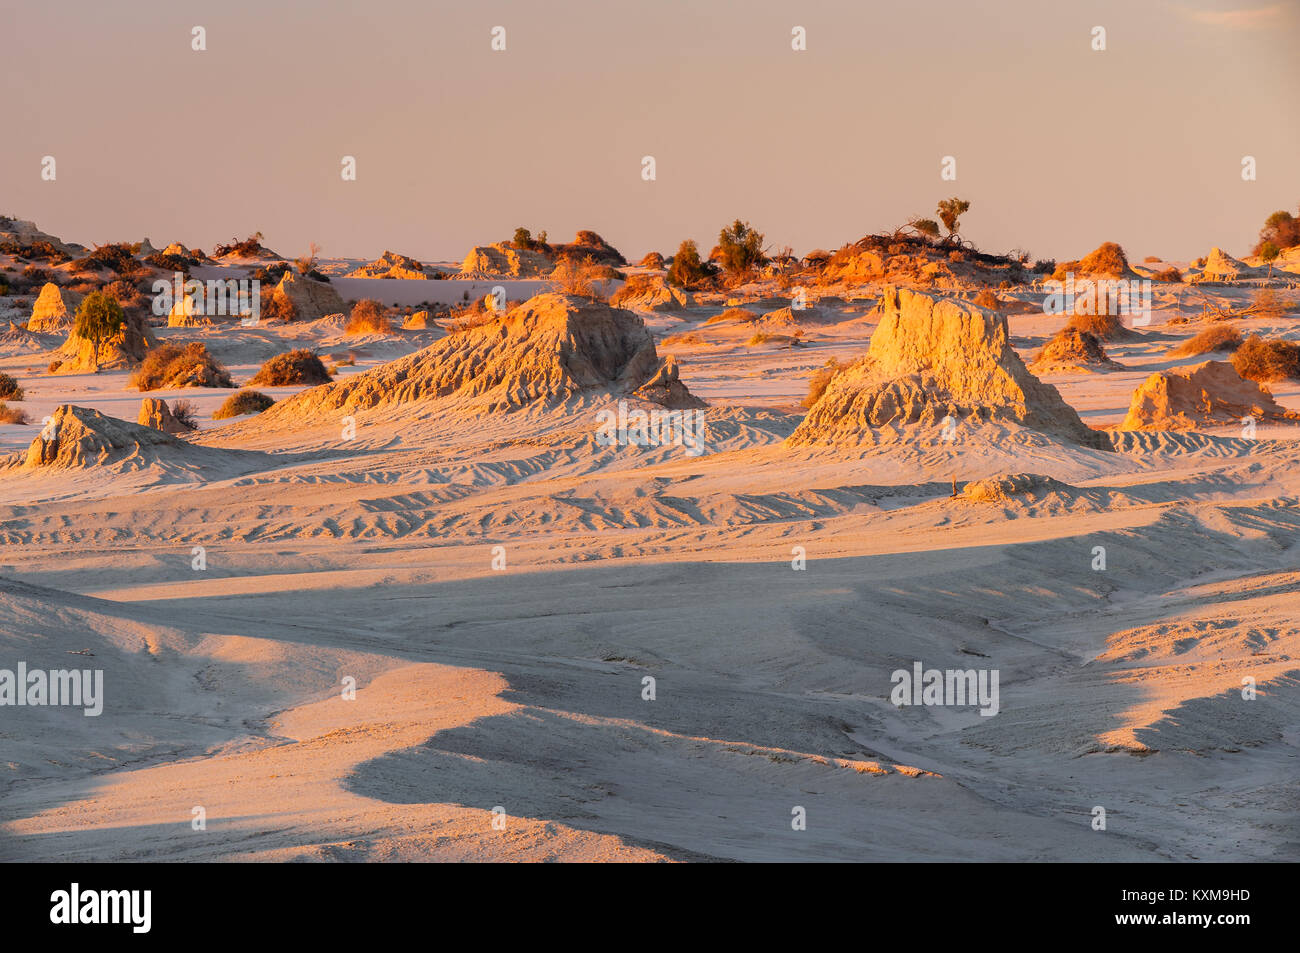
(522, 688)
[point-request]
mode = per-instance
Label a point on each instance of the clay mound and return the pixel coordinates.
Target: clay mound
(863, 264)
(18, 340)
(1208, 394)
(155, 413)
(311, 299)
(653, 260)
(54, 310)
(1220, 266)
(588, 244)
(186, 312)
(1103, 326)
(652, 293)
(26, 233)
(78, 437)
(176, 248)
(932, 358)
(419, 321)
(503, 261)
(76, 356)
(391, 265)
(1073, 350)
(550, 348)
(1009, 486)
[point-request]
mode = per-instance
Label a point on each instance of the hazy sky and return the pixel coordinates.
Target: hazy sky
(1058, 147)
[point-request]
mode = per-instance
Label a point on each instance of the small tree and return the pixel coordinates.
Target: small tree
(307, 263)
(950, 212)
(99, 320)
(1268, 252)
(523, 238)
(741, 247)
(926, 227)
(687, 269)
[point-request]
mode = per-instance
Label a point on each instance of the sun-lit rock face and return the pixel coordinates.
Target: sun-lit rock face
(391, 265)
(1072, 350)
(311, 299)
(503, 261)
(1208, 394)
(54, 309)
(80, 437)
(550, 348)
(933, 358)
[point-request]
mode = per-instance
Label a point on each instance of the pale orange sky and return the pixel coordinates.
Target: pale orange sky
(1058, 147)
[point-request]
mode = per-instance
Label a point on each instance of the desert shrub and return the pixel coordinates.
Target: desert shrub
(53, 366)
(987, 299)
(246, 249)
(186, 414)
(821, 379)
(1282, 229)
(688, 339)
(738, 315)
(950, 212)
(188, 365)
(9, 389)
(40, 250)
(1168, 274)
(652, 260)
(1045, 266)
(956, 256)
(584, 278)
(272, 273)
(1152, 259)
(169, 262)
(760, 337)
(294, 367)
(687, 270)
(12, 415)
(126, 293)
(1262, 360)
(243, 402)
(99, 319)
(1219, 337)
(1270, 303)
(367, 318)
(1105, 327)
(114, 257)
(307, 263)
(35, 275)
(740, 247)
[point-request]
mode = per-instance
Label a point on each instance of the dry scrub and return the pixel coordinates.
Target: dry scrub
(295, 367)
(1219, 337)
(172, 365)
(1263, 361)
(245, 402)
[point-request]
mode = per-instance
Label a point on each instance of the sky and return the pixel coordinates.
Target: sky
(1058, 147)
